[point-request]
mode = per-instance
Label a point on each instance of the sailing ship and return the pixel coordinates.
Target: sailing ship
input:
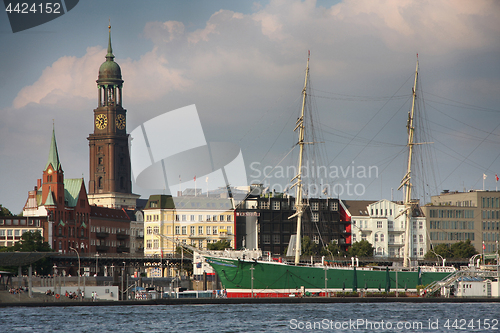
(245, 276)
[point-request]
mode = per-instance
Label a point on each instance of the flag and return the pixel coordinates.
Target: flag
(194, 178)
(484, 246)
(484, 176)
(206, 179)
(496, 177)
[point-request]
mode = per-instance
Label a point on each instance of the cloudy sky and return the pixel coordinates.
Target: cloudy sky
(242, 63)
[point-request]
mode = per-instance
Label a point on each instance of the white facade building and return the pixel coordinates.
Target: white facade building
(383, 225)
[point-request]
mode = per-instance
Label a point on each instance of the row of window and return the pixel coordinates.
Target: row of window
(390, 224)
(452, 213)
(209, 218)
(448, 236)
(490, 248)
(14, 232)
(464, 225)
(98, 242)
(72, 232)
(266, 239)
(195, 218)
(491, 214)
(491, 225)
(285, 205)
(111, 230)
(334, 206)
(382, 211)
(155, 243)
(491, 202)
(210, 230)
(490, 236)
(29, 222)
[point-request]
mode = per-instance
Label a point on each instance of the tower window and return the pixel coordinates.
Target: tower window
(99, 182)
(100, 160)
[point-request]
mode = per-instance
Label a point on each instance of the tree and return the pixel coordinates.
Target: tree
(32, 241)
(456, 250)
(463, 249)
(362, 248)
(331, 249)
(219, 245)
(4, 211)
(442, 250)
(309, 248)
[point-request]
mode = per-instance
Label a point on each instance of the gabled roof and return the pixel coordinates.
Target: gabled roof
(53, 154)
(108, 213)
(358, 207)
(72, 188)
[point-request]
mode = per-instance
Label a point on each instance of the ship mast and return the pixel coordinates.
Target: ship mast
(299, 205)
(406, 182)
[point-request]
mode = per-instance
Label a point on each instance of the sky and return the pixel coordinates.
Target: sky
(242, 64)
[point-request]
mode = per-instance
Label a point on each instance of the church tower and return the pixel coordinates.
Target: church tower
(110, 183)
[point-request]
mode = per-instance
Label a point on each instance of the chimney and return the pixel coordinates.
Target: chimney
(38, 183)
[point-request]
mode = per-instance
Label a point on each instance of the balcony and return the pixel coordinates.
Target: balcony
(194, 236)
(121, 249)
(101, 234)
(122, 236)
(102, 248)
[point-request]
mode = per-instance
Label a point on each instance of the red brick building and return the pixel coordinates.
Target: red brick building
(109, 230)
(64, 205)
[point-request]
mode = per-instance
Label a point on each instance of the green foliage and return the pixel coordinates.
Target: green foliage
(219, 245)
(456, 250)
(332, 249)
(362, 248)
(463, 249)
(32, 241)
(4, 211)
(309, 248)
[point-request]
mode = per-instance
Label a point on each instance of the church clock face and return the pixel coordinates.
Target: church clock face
(101, 121)
(120, 121)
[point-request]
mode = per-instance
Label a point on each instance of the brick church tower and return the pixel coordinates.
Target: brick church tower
(110, 182)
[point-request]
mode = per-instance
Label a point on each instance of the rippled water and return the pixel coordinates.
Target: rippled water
(403, 317)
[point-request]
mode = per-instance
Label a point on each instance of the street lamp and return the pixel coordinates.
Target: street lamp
(123, 280)
(79, 266)
(96, 260)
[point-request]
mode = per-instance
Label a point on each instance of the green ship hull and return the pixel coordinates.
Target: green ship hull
(273, 279)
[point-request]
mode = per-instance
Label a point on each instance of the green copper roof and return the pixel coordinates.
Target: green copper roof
(72, 189)
(110, 55)
(50, 199)
(109, 69)
(53, 155)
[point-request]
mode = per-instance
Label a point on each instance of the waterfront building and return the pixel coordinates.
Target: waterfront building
(194, 220)
(109, 230)
(262, 222)
(458, 216)
(12, 227)
(62, 203)
(383, 224)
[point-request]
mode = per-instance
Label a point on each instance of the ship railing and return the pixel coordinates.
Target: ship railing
(436, 285)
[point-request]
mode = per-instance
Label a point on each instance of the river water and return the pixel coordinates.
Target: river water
(351, 317)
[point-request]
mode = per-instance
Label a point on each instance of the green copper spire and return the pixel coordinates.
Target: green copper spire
(110, 55)
(53, 154)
